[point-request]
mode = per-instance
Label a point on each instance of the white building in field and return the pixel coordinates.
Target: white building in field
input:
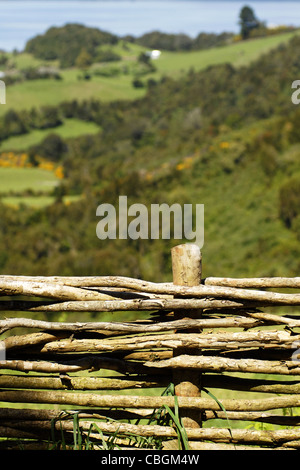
(155, 54)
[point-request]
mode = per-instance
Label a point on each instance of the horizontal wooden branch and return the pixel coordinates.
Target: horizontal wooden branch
(212, 287)
(149, 402)
(92, 414)
(208, 302)
(92, 383)
(260, 417)
(131, 327)
(142, 285)
(222, 364)
(88, 281)
(259, 437)
(214, 434)
(274, 319)
(33, 419)
(255, 282)
(201, 445)
(89, 363)
(33, 339)
(218, 340)
(250, 385)
(49, 290)
(132, 305)
(249, 436)
(65, 382)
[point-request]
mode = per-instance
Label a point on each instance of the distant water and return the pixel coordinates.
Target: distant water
(21, 19)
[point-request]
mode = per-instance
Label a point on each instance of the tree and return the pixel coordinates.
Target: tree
(84, 59)
(65, 43)
(51, 148)
(248, 21)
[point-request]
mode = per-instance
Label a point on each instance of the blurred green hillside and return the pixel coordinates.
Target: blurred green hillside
(222, 132)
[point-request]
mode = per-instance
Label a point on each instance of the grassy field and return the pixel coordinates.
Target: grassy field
(35, 202)
(22, 179)
(70, 128)
(238, 54)
(31, 93)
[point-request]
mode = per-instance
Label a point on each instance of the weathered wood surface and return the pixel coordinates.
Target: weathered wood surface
(55, 288)
(143, 285)
(153, 351)
(49, 290)
(125, 305)
(222, 364)
(148, 402)
(215, 435)
(136, 327)
(255, 282)
(187, 271)
(228, 382)
(89, 363)
(64, 382)
(218, 340)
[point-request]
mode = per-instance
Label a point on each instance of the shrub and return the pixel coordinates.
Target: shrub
(289, 200)
(52, 148)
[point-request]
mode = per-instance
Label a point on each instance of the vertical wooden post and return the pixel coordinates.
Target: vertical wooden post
(187, 270)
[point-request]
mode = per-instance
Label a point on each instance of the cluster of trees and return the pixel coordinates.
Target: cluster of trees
(46, 117)
(31, 73)
(181, 42)
(68, 43)
(21, 122)
(80, 46)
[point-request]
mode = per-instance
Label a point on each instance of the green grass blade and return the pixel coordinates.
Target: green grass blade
(181, 432)
(222, 408)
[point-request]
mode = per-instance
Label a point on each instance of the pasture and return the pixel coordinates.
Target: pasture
(30, 93)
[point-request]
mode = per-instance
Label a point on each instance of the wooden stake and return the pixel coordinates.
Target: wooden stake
(186, 267)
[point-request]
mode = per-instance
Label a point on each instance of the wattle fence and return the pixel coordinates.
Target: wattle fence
(205, 364)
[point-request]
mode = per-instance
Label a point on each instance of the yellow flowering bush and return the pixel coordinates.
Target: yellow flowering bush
(21, 160)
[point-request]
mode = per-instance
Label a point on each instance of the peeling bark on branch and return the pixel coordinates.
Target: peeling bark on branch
(44, 289)
(220, 364)
(230, 322)
(226, 341)
(153, 402)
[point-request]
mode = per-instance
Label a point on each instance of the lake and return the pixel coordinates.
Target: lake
(20, 19)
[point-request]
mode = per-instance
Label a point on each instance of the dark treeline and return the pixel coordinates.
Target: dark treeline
(66, 43)
(75, 44)
(181, 42)
(79, 45)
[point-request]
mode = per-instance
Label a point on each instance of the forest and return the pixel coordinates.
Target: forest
(226, 137)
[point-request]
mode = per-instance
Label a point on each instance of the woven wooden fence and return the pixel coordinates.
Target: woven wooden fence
(222, 349)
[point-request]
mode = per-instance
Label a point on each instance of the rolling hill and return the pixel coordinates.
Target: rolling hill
(225, 135)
